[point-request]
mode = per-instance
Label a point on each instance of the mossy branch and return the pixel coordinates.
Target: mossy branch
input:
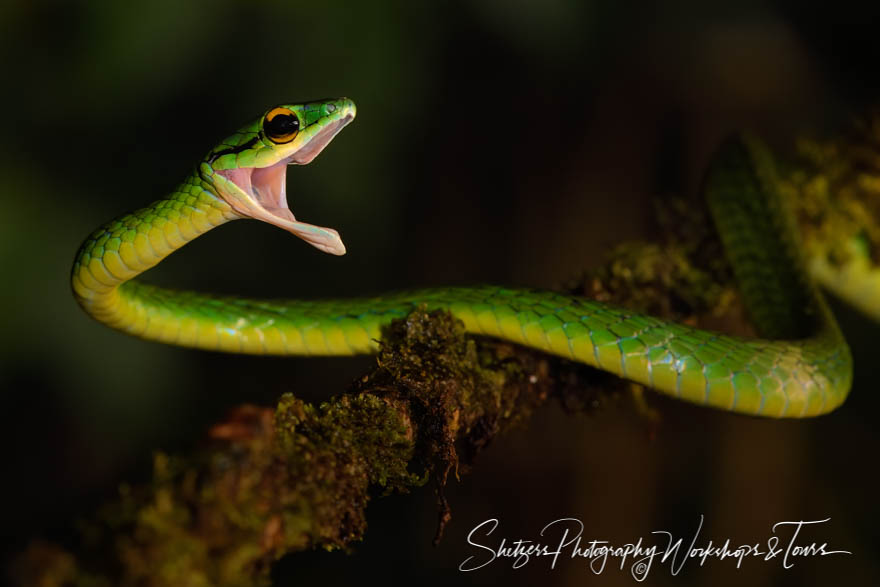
(275, 481)
(278, 480)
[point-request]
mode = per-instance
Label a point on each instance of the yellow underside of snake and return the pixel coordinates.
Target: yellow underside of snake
(801, 367)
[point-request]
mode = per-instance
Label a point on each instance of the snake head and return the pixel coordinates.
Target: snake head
(249, 169)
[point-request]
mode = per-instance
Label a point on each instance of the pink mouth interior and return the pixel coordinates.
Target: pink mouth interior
(319, 141)
(268, 186)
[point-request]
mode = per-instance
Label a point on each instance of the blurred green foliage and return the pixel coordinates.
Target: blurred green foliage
(495, 141)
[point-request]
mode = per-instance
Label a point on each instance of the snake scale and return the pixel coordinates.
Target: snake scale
(800, 367)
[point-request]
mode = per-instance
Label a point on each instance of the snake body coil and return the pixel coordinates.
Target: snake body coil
(801, 368)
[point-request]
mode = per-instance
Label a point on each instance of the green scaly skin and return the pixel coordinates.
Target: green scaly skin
(802, 368)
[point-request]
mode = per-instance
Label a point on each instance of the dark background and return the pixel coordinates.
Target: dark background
(509, 141)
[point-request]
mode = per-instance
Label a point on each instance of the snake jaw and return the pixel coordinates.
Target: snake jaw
(269, 190)
(263, 196)
(307, 153)
(263, 190)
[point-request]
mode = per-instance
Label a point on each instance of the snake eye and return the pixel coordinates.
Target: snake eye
(281, 125)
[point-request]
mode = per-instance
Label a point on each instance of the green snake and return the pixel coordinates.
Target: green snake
(801, 367)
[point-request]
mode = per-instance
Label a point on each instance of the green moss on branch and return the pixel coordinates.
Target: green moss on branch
(299, 476)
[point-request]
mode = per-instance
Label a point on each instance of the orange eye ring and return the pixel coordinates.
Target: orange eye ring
(280, 125)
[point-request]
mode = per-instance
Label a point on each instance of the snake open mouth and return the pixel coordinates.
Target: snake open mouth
(267, 191)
